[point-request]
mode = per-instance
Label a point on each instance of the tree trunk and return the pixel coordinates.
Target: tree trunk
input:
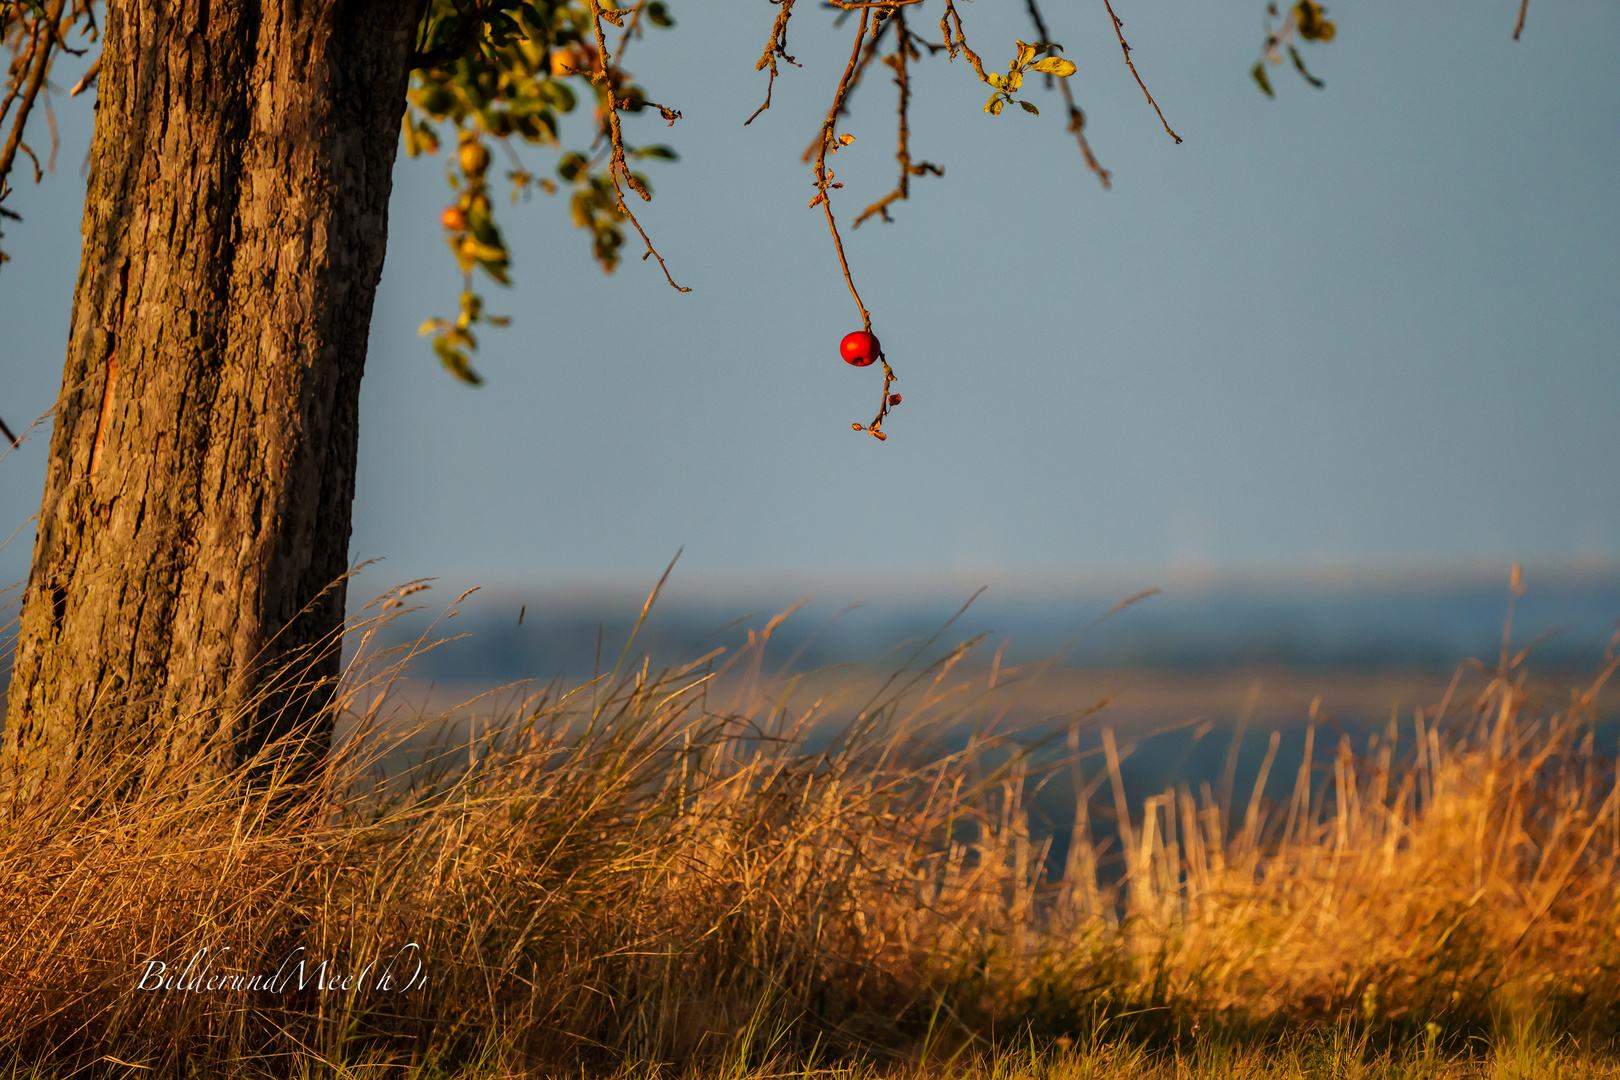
(186, 589)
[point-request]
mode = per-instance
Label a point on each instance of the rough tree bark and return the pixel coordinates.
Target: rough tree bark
(195, 524)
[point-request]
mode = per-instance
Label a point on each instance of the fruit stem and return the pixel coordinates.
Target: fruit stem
(889, 379)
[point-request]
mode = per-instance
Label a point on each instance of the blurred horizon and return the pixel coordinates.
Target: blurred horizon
(1335, 618)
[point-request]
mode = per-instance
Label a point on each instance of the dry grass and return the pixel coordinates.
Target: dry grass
(631, 872)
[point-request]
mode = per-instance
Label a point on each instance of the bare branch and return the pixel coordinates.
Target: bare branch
(889, 401)
(617, 167)
(1077, 118)
(959, 42)
(776, 47)
(36, 61)
(1126, 49)
(824, 178)
(904, 50)
(878, 30)
(86, 79)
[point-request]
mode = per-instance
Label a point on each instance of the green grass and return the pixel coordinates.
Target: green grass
(1328, 1054)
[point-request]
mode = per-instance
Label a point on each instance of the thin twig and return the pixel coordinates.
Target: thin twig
(1126, 49)
(17, 440)
(86, 79)
(632, 25)
(1519, 28)
(876, 426)
(39, 54)
(618, 165)
(1077, 118)
(1042, 34)
(878, 30)
(823, 178)
(904, 49)
(960, 41)
(56, 138)
(777, 46)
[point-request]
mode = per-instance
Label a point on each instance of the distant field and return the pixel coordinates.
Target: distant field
(1140, 701)
(1320, 623)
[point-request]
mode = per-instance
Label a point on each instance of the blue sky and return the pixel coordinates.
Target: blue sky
(1371, 324)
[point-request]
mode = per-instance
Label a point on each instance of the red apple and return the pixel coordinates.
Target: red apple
(860, 348)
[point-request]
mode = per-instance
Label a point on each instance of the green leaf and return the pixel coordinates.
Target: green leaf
(580, 208)
(658, 150)
(1054, 65)
(503, 28)
(559, 94)
(571, 166)
(658, 15)
(1299, 66)
(1259, 73)
(483, 227)
(1030, 108)
(436, 100)
(457, 362)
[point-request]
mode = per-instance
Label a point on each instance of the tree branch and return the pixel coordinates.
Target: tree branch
(1120, 33)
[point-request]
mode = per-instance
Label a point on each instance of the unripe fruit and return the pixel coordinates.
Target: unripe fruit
(453, 219)
(474, 158)
(860, 348)
(573, 60)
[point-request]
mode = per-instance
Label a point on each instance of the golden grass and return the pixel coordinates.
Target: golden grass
(631, 873)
